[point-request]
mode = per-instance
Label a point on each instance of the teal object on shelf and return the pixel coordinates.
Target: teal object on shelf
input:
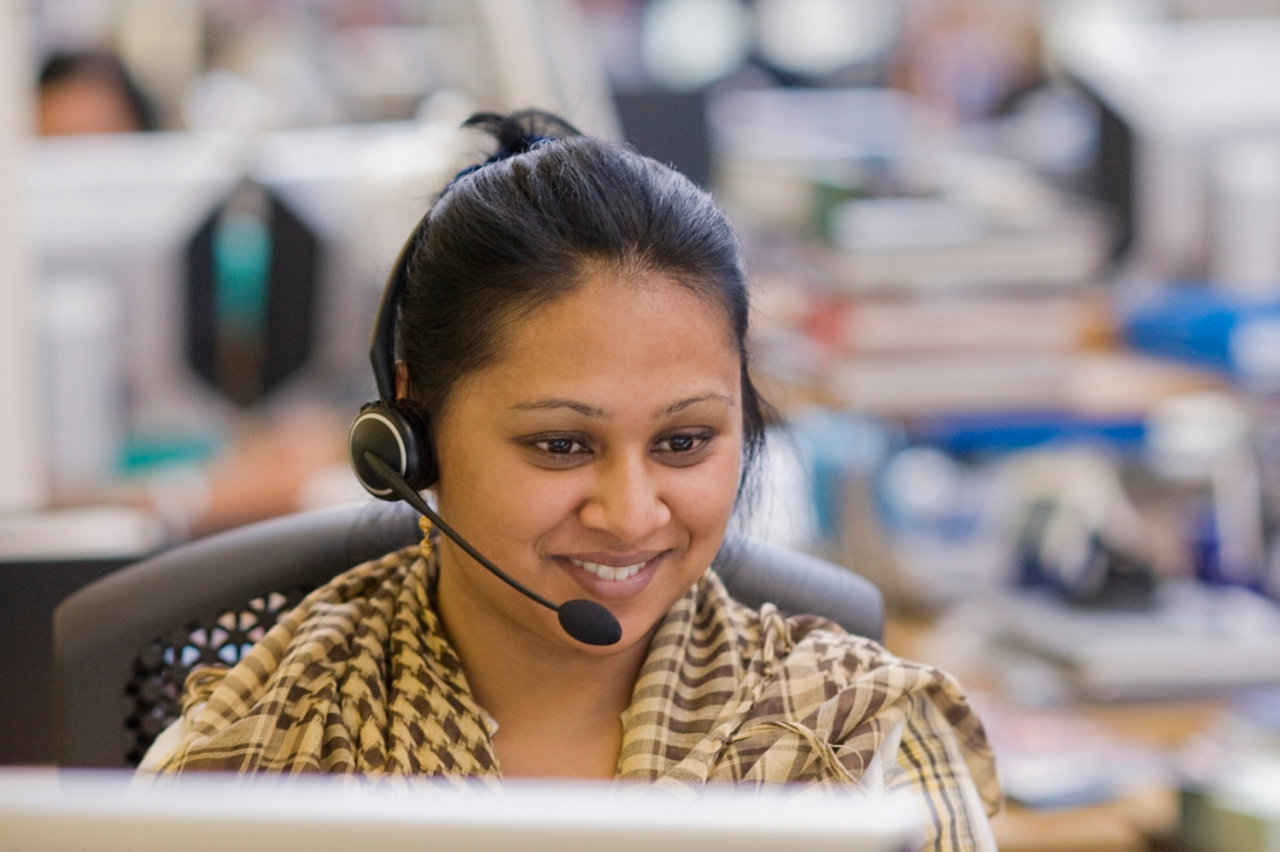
(142, 454)
(242, 266)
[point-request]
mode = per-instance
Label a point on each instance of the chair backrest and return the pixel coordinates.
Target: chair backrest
(124, 644)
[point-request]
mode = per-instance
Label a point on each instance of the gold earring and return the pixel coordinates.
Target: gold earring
(427, 545)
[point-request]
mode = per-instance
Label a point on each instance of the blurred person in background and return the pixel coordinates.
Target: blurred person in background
(90, 91)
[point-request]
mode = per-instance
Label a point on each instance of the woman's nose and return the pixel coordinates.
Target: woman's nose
(626, 502)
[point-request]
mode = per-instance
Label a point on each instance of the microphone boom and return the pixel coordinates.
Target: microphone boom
(584, 620)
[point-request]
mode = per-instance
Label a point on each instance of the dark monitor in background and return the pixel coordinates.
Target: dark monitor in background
(43, 558)
(670, 127)
(32, 589)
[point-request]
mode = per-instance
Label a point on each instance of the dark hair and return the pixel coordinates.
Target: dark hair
(107, 67)
(529, 224)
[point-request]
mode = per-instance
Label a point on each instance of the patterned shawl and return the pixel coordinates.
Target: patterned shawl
(359, 678)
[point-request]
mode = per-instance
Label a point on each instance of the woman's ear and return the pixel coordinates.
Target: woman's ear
(402, 380)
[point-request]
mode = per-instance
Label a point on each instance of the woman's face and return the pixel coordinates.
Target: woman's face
(597, 458)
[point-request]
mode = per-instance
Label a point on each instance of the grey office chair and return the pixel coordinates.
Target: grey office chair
(123, 645)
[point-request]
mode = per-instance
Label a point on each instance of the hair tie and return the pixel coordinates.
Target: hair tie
(522, 145)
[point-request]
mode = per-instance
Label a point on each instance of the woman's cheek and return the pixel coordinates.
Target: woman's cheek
(705, 502)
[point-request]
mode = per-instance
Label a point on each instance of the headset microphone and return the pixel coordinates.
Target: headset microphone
(584, 620)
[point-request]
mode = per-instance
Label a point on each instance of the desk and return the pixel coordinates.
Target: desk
(1126, 825)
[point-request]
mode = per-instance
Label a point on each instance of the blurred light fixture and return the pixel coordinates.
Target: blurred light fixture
(224, 100)
(819, 37)
(688, 44)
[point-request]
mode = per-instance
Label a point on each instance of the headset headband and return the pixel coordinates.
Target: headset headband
(382, 342)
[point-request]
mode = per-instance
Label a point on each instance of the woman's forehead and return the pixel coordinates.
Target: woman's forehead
(607, 310)
(648, 334)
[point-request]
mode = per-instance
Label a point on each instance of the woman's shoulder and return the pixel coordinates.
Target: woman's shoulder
(813, 655)
(386, 573)
(810, 640)
(333, 613)
(798, 642)
(335, 639)
(811, 666)
(848, 697)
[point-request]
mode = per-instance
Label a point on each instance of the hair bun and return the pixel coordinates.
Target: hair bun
(521, 131)
(516, 133)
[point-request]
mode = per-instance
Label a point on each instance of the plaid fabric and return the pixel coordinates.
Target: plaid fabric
(360, 679)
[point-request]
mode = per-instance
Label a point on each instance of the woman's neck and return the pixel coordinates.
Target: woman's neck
(528, 677)
(558, 707)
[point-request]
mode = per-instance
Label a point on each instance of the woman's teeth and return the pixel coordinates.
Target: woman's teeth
(608, 572)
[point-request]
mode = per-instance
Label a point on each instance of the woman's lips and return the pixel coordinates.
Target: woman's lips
(609, 572)
(613, 575)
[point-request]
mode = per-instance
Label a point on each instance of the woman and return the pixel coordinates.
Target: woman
(573, 342)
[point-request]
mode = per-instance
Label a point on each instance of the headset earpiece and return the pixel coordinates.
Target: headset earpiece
(387, 428)
(397, 436)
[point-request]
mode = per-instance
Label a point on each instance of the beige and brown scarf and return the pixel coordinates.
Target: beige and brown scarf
(359, 678)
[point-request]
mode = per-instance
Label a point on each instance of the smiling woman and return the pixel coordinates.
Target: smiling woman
(573, 386)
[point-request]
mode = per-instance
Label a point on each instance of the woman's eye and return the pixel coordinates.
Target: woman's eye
(682, 443)
(560, 446)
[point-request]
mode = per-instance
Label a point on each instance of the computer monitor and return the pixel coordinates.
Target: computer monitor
(101, 810)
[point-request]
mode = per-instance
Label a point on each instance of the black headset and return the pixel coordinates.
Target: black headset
(388, 428)
(391, 455)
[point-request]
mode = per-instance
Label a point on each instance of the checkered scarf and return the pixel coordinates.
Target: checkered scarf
(359, 678)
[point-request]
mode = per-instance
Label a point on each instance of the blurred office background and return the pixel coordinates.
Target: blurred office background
(1016, 269)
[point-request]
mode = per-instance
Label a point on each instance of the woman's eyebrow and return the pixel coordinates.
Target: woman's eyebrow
(677, 407)
(554, 402)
